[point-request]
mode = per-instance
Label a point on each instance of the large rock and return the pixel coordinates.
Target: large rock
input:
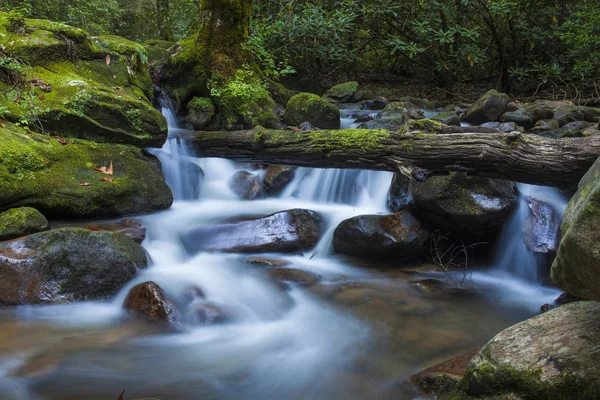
(398, 236)
(487, 108)
(448, 118)
(399, 195)
(542, 234)
(568, 114)
(67, 264)
(552, 356)
(343, 93)
(308, 107)
(518, 118)
(92, 88)
(148, 300)
(60, 181)
(284, 232)
(577, 266)
(473, 208)
(131, 228)
(23, 221)
(201, 110)
(390, 120)
(277, 177)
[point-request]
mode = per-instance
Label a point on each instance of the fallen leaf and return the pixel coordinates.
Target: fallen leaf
(107, 179)
(63, 141)
(104, 170)
(121, 396)
(84, 184)
(41, 97)
(107, 58)
(93, 228)
(37, 82)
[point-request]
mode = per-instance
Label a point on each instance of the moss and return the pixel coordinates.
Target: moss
(203, 104)
(279, 93)
(343, 92)
(18, 222)
(308, 107)
(425, 125)
(341, 139)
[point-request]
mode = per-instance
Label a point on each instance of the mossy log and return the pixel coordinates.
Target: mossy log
(514, 156)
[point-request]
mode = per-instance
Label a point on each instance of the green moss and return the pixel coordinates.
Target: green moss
(308, 107)
(344, 92)
(425, 125)
(201, 104)
(18, 222)
(365, 139)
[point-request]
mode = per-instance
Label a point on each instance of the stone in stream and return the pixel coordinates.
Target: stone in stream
(22, 221)
(518, 118)
(277, 177)
(148, 300)
(343, 93)
(398, 236)
(266, 262)
(399, 195)
(206, 313)
(448, 118)
(309, 107)
(541, 233)
(373, 105)
(201, 110)
(131, 228)
(568, 114)
(487, 108)
(292, 276)
(561, 300)
(472, 208)
(67, 264)
(246, 185)
(283, 232)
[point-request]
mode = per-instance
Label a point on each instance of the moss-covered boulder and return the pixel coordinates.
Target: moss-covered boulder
(448, 118)
(473, 208)
(158, 50)
(22, 221)
(279, 93)
(552, 356)
(390, 120)
(60, 180)
(65, 265)
(201, 110)
(308, 107)
(567, 114)
(576, 268)
(487, 108)
(72, 85)
(343, 93)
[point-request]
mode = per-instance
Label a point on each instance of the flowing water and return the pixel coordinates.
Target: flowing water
(358, 334)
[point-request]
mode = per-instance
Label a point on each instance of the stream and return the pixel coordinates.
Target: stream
(357, 334)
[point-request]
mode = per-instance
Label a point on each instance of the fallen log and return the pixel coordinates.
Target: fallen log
(514, 156)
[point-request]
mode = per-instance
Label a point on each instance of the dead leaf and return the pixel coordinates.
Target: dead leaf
(37, 82)
(17, 99)
(93, 228)
(63, 141)
(104, 170)
(121, 396)
(107, 179)
(107, 58)
(82, 183)
(41, 97)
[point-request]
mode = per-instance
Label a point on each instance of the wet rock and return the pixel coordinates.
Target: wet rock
(67, 264)
(131, 228)
(209, 314)
(473, 208)
(201, 110)
(546, 125)
(343, 93)
(398, 236)
(568, 114)
(561, 300)
(429, 285)
(399, 194)
(503, 126)
(551, 356)
(373, 105)
(591, 114)
(542, 233)
(292, 276)
(540, 110)
(283, 232)
(391, 120)
(518, 118)
(416, 102)
(448, 118)
(23, 221)
(512, 107)
(487, 108)
(310, 107)
(246, 185)
(187, 178)
(277, 177)
(193, 294)
(575, 269)
(306, 127)
(267, 262)
(148, 301)
(415, 113)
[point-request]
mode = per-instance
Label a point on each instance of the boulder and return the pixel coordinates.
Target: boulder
(552, 356)
(283, 232)
(416, 102)
(285, 277)
(576, 268)
(541, 109)
(246, 185)
(399, 194)
(373, 105)
(397, 236)
(201, 110)
(58, 178)
(277, 177)
(590, 114)
(415, 113)
(518, 118)
(503, 126)
(67, 264)
(568, 114)
(541, 233)
(343, 93)
(546, 125)
(487, 108)
(148, 300)
(473, 208)
(23, 221)
(390, 120)
(279, 93)
(308, 107)
(131, 228)
(448, 118)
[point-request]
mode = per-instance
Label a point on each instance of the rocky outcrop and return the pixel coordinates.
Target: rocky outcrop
(473, 208)
(66, 265)
(397, 236)
(23, 221)
(61, 180)
(147, 300)
(487, 108)
(284, 232)
(576, 268)
(308, 107)
(343, 93)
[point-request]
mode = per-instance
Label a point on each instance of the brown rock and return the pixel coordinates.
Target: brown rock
(286, 276)
(267, 262)
(131, 228)
(148, 300)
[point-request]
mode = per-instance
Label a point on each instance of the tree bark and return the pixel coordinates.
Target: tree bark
(517, 157)
(164, 26)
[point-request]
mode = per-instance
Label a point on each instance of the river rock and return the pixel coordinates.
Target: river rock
(148, 301)
(576, 268)
(246, 185)
(23, 221)
(373, 105)
(201, 110)
(540, 109)
(277, 177)
(390, 120)
(398, 236)
(415, 113)
(546, 125)
(131, 228)
(473, 208)
(503, 126)
(417, 102)
(552, 356)
(448, 118)
(67, 264)
(399, 193)
(487, 108)
(291, 276)
(206, 313)
(283, 232)
(542, 234)
(518, 118)
(343, 93)
(567, 114)
(266, 262)
(308, 107)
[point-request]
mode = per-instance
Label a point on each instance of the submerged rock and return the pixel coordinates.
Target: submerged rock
(284, 232)
(308, 107)
(148, 300)
(131, 228)
(473, 208)
(266, 262)
(543, 225)
(246, 185)
(398, 236)
(206, 313)
(487, 108)
(23, 221)
(292, 276)
(67, 264)
(277, 177)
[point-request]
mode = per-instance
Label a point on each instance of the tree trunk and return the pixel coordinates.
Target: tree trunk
(164, 25)
(518, 157)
